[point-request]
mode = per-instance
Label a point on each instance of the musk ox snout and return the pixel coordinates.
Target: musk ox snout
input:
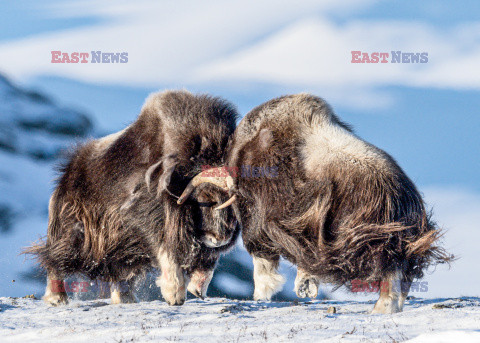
(221, 227)
(217, 223)
(213, 241)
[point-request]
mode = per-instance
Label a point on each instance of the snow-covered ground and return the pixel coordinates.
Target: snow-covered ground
(222, 320)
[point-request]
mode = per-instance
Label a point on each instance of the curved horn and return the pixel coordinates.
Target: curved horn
(148, 174)
(224, 182)
(227, 203)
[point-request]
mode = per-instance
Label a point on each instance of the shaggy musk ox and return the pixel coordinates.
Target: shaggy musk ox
(339, 208)
(114, 213)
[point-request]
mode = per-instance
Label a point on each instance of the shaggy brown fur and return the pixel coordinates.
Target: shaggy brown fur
(340, 208)
(104, 222)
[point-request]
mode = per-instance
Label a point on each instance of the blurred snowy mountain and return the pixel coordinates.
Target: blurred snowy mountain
(33, 132)
(32, 125)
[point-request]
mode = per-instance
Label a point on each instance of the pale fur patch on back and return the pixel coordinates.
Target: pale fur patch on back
(330, 144)
(326, 141)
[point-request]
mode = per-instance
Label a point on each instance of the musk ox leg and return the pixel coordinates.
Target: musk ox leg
(306, 285)
(55, 294)
(103, 287)
(392, 297)
(171, 281)
(122, 292)
(199, 281)
(266, 278)
(405, 288)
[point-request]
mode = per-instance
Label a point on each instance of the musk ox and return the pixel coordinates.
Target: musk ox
(114, 212)
(338, 207)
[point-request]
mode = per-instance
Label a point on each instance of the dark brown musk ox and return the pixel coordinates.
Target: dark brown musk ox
(338, 207)
(114, 213)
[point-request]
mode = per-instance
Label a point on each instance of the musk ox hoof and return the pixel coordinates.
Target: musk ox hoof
(196, 291)
(386, 306)
(56, 299)
(173, 293)
(307, 288)
(174, 297)
(199, 282)
(176, 302)
(123, 298)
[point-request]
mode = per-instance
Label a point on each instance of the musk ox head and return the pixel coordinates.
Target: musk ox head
(218, 226)
(210, 191)
(197, 129)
